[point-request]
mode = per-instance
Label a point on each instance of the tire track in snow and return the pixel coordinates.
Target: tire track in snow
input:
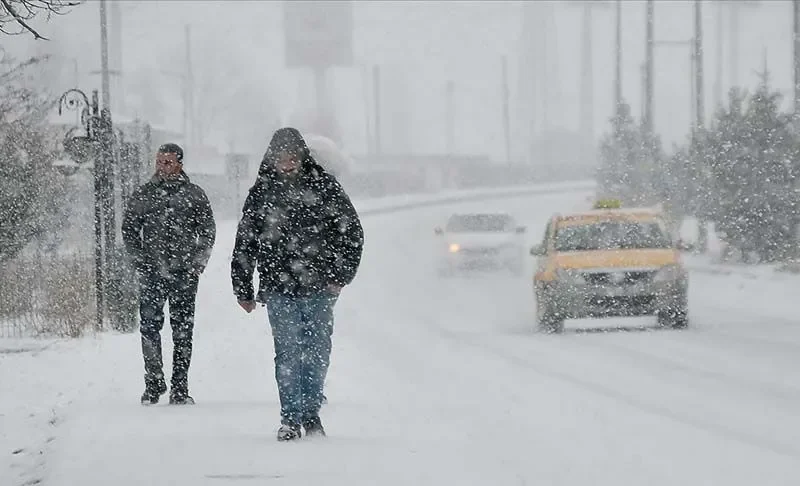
(671, 365)
(720, 430)
(600, 388)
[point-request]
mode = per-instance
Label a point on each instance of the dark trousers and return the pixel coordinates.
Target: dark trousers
(180, 290)
(301, 330)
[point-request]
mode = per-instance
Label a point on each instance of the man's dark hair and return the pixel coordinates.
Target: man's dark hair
(172, 148)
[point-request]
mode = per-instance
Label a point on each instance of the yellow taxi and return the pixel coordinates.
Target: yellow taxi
(609, 261)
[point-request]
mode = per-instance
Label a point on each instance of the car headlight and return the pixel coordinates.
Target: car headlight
(454, 248)
(570, 277)
(668, 273)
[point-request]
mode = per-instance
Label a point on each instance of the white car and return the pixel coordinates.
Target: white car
(480, 241)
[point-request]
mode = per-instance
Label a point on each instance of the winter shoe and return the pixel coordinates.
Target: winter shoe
(289, 432)
(180, 398)
(314, 427)
(152, 393)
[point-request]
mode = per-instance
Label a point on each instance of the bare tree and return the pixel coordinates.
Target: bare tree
(29, 187)
(16, 15)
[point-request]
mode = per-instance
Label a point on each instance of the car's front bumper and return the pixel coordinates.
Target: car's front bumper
(577, 301)
(488, 258)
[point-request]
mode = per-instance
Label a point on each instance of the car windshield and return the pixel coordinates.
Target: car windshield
(470, 223)
(611, 235)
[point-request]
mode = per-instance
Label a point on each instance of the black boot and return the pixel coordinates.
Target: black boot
(153, 391)
(181, 400)
(289, 432)
(179, 396)
(314, 427)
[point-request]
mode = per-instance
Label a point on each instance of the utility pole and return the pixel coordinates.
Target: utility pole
(449, 116)
(529, 77)
(587, 81)
(376, 88)
(643, 87)
(698, 65)
(106, 136)
(545, 93)
(719, 51)
(618, 59)
(648, 96)
(368, 140)
(796, 56)
(702, 224)
(116, 56)
(190, 134)
(106, 87)
(506, 113)
(733, 33)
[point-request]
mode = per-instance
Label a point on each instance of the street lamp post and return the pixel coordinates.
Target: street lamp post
(82, 148)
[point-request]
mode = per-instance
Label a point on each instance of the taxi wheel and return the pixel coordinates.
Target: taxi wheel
(551, 325)
(548, 321)
(676, 319)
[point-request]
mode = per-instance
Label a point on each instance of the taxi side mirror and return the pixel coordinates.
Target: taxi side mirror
(438, 231)
(684, 246)
(538, 250)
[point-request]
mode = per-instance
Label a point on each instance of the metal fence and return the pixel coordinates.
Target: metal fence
(46, 295)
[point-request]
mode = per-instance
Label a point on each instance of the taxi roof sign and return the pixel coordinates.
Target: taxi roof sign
(607, 204)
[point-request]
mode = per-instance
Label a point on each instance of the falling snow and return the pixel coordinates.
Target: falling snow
(274, 300)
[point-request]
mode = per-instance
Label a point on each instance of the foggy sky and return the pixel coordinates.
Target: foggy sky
(420, 45)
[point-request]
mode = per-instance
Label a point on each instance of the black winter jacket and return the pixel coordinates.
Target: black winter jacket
(168, 226)
(302, 235)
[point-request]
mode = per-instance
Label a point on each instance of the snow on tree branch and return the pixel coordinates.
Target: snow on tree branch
(16, 15)
(27, 202)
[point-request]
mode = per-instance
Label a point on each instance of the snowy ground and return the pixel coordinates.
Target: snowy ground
(432, 382)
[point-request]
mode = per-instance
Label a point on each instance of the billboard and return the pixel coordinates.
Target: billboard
(318, 33)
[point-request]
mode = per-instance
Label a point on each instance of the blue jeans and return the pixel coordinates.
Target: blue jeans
(301, 331)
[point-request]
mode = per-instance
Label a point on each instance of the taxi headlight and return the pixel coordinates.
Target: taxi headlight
(570, 277)
(454, 248)
(668, 273)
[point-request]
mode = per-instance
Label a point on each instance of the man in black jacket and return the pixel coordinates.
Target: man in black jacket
(169, 231)
(300, 229)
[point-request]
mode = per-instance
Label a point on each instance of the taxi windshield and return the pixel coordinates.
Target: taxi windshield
(611, 235)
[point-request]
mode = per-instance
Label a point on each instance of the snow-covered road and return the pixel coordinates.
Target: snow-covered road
(432, 382)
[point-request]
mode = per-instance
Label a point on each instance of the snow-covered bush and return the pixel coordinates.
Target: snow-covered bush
(752, 156)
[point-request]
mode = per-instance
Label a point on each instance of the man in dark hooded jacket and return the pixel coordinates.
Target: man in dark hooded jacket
(300, 229)
(169, 230)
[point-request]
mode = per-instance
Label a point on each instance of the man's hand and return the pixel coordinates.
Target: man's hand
(247, 305)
